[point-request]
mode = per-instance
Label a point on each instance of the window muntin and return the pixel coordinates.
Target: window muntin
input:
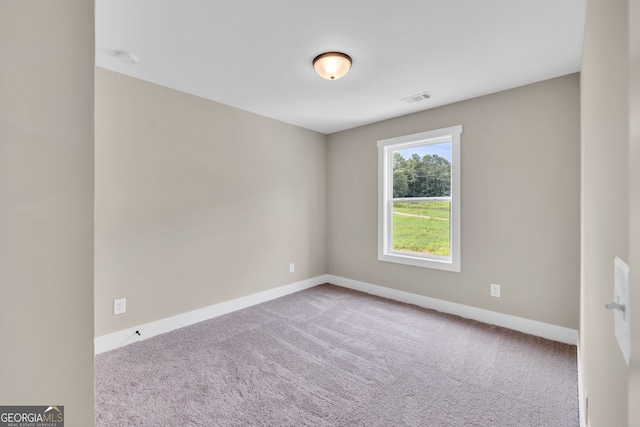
(419, 203)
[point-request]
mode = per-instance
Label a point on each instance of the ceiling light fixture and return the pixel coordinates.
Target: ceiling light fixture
(332, 65)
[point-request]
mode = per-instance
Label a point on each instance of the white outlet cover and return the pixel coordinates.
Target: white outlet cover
(495, 290)
(119, 306)
(622, 318)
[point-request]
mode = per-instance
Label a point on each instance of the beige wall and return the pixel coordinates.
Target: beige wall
(520, 203)
(605, 206)
(198, 203)
(634, 208)
(46, 206)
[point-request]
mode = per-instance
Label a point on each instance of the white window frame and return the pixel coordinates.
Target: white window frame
(386, 147)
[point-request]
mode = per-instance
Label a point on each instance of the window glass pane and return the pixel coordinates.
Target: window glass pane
(422, 227)
(423, 171)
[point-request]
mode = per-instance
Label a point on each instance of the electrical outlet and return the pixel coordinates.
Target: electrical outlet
(119, 306)
(495, 290)
(292, 267)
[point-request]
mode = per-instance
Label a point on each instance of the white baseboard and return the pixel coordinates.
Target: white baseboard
(532, 327)
(128, 336)
(582, 410)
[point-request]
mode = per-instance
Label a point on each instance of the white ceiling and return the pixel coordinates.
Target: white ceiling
(256, 54)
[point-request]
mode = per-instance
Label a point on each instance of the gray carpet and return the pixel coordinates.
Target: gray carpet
(329, 356)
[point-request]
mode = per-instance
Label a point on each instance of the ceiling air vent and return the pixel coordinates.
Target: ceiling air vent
(417, 98)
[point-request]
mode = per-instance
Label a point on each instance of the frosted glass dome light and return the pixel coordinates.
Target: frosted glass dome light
(332, 65)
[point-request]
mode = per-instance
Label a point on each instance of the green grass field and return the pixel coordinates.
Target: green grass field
(419, 234)
(432, 209)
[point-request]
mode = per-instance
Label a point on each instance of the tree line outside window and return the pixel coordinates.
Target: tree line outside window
(427, 176)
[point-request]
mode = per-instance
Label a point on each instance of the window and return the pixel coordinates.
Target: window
(419, 199)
